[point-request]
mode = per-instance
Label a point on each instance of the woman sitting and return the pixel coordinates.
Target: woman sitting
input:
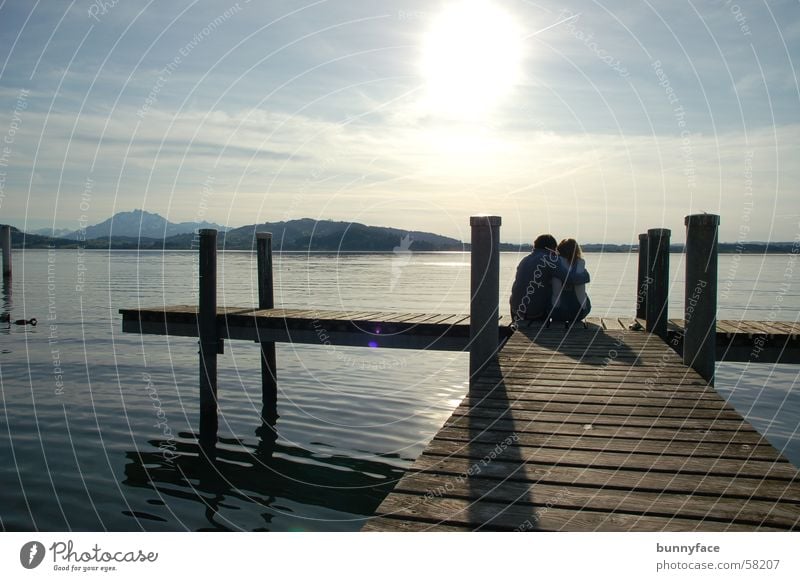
(570, 302)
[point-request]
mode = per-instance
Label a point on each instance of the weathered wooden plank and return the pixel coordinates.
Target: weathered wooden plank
(288, 314)
(448, 320)
(586, 440)
(589, 320)
(557, 342)
(592, 347)
(665, 378)
(747, 328)
(621, 420)
(594, 385)
(591, 363)
(440, 320)
(599, 396)
(619, 460)
(746, 435)
(741, 487)
(464, 320)
(657, 504)
(590, 357)
(577, 334)
(688, 412)
(546, 384)
(398, 317)
(385, 524)
(496, 398)
(421, 318)
(786, 328)
(762, 328)
(727, 327)
(488, 515)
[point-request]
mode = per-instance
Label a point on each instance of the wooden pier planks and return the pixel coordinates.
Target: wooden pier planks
(741, 341)
(755, 341)
(593, 429)
(311, 326)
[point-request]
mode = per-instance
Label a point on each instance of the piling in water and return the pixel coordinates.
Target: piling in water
(641, 279)
(484, 308)
(209, 344)
(266, 300)
(700, 306)
(658, 284)
(5, 241)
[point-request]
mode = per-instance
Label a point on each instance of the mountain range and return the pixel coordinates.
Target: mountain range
(142, 230)
(138, 224)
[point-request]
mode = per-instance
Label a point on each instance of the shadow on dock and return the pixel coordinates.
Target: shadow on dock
(587, 343)
(497, 446)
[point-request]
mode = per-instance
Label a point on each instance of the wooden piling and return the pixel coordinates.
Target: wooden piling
(641, 279)
(484, 305)
(207, 330)
(5, 241)
(266, 300)
(700, 305)
(658, 286)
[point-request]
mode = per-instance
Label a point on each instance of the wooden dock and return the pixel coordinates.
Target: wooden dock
(385, 329)
(593, 429)
(611, 425)
(737, 341)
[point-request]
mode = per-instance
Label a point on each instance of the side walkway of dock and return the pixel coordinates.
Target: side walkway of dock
(593, 429)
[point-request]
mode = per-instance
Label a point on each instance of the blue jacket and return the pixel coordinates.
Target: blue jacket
(531, 293)
(570, 301)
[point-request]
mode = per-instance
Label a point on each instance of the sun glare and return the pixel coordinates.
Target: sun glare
(471, 58)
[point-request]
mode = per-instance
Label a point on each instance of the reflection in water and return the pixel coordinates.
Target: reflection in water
(5, 315)
(269, 475)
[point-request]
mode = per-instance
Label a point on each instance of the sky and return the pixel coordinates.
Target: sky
(595, 120)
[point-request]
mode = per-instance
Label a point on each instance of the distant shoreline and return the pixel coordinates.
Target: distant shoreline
(131, 229)
(673, 250)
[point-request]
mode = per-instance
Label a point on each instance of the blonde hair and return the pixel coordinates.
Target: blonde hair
(570, 249)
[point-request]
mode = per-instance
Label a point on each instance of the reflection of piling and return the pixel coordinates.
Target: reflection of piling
(700, 307)
(266, 300)
(658, 284)
(209, 344)
(641, 280)
(5, 241)
(484, 307)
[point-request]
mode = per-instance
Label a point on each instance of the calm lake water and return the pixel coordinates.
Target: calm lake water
(91, 415)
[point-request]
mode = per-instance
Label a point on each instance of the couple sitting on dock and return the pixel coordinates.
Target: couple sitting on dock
(551, 283)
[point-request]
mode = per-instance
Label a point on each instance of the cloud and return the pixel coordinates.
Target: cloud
(319, 115)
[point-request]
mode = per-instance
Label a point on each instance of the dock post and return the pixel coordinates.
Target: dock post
(658, 286)
(484, 306)
(5, 241)
(266, 300)
(209, 344)
(700, 306)
(642, 278)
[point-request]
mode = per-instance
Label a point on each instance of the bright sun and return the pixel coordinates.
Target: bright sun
(471, 58)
